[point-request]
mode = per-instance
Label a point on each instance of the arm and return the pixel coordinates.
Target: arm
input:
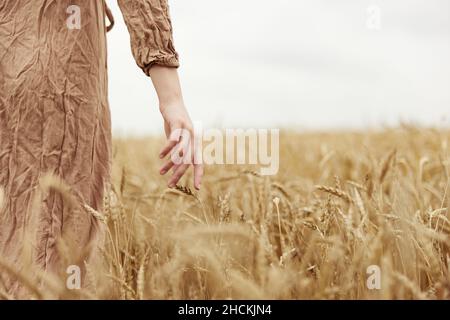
(173, 110)
(150, 29)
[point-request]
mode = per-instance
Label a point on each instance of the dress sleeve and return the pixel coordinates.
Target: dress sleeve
(150, 29)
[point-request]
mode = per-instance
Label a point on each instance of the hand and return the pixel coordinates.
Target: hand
(180, 143)
(178, 126)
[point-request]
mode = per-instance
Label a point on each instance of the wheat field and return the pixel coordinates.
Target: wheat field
(341, 202)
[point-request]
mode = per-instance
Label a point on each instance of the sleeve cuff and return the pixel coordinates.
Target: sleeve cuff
(166, 61)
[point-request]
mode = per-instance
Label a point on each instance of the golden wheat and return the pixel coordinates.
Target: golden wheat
(341, 202)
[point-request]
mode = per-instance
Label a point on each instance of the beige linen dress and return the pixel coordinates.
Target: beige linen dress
(54, 118)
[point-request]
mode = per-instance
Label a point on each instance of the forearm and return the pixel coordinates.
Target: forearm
(167, 84)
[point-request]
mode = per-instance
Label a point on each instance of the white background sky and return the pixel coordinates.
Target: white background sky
(305, 64)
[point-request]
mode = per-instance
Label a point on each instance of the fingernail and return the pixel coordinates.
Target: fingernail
(162, 171)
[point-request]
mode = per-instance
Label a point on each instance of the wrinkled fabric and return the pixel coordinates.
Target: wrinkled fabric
(54, 118)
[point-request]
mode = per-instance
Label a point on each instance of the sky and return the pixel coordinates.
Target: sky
(306, 65)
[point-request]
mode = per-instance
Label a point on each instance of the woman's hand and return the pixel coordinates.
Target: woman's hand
(178, 127)
(180, 138)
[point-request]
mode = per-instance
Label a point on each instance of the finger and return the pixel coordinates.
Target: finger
(175, 167)
(165, 168)
(167, 147)
(198, 174)
(177, 175)
(172, 141)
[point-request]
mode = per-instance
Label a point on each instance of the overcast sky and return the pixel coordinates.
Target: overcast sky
(306, 64)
